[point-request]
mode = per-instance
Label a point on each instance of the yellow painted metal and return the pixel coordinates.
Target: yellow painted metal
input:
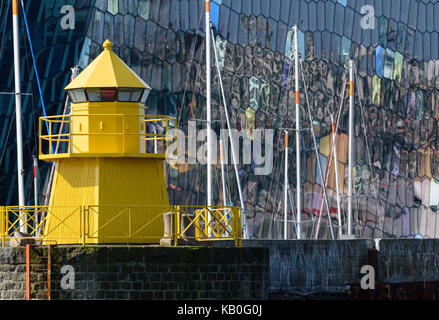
(97, 132)
(122, 135)
(107, 70)
(122, 226)
(2, 225)
(220, 226)
(108, 186)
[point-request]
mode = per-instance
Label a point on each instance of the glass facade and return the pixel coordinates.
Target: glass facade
(396, 171)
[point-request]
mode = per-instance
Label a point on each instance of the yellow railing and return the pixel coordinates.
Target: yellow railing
(62, 143)
(209, 223)
(186, 222)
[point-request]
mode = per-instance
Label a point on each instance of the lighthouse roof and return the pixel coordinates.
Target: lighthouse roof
(107, 70)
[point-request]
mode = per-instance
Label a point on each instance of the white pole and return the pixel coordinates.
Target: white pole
(286, 188)
(337, 187)
(155, 142)
(232, 146)
(20, 170)
(209, 116)
(223, 180)
(298, 167)
(351, 132)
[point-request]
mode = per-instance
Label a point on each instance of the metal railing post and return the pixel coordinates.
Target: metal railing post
(39, 138)
(3, 224)
(234, 226)
(237, 227)
(83, 219)
(50, 137)
(129, 222)
(176, 224)
(70, 145)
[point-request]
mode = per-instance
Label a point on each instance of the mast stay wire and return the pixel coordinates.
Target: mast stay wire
(34, 62)
(317, 151)
(331, 154)
(273, 200)
(7, 138)
(192, 53)
(4, 27)
(225, 161)
(43, 106)
(32, 102)
(361, 98)
(332, 150)
(233, 151)
(275, 209)
(1, 50)
(184, 98)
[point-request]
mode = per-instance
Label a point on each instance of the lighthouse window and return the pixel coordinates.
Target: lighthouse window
(129, 94)
(101, 94)
(77, 95)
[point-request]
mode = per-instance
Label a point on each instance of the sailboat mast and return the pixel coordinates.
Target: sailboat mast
(298, 167)
(351, 132)
(20, 170)
(223, 179)
(209, 115)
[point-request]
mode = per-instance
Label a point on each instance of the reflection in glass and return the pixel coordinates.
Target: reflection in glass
(379, 61)
(388, 63)
(397, 70)
(376, 90)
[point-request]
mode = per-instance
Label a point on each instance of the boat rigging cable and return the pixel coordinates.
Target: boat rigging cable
(375, 194)
(1, 50)
(186, 84)
(192, 53)
(232, 146)
(331, 157)
(323, 181)
(4, 27)
(43, 106)
(331, 153)
(34, 62)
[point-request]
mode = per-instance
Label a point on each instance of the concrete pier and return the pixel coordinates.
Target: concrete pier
(261, 269)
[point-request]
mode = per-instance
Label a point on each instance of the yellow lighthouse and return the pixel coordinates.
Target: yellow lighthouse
(109, 184)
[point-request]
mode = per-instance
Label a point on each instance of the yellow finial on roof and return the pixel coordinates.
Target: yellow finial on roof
(106, 71)
(107, 44)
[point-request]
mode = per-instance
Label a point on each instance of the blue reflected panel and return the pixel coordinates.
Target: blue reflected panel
(214, 14)
(289, 44)
(379, 61)
(301, 37)
(343, 2)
